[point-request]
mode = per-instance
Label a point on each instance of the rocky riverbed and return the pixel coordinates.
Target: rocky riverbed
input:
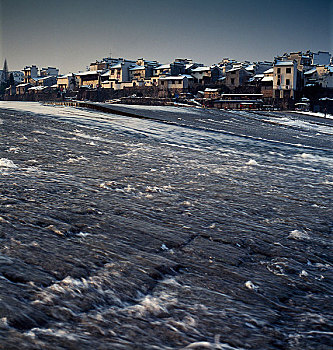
(210, 231)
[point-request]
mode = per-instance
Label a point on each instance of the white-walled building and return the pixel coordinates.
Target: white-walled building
(321, 58)
(49, 71)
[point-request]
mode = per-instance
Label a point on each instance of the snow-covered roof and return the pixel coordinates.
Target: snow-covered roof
(233, 69)
(117, 65)
(163, 66)
(311, 71)
(267, 79)
(106, 74)
(38, 88)
(188, 65)
(250, 67)
(176, 77)
(49, 76)
(284, 63)
(54, 86)
(22, 85)
(201, 69)
(65, 76)
(138, 68)
(211, 90)
(90, 72)
(269, 71)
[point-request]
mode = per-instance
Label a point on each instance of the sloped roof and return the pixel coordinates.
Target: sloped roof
(269, 71)
(201, 69)
(90, 72)
(138, 68)
(163, 66)
(284, 63)
(176, 77)
(311, 71)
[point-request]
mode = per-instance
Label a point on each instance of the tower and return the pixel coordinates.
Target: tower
(4, 75)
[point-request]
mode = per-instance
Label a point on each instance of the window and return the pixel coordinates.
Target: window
(288, 70)
(279, 82)
(287, 81)
(232, 81)
(279, 70)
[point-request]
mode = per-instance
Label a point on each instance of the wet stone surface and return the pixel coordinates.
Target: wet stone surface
(131, 234)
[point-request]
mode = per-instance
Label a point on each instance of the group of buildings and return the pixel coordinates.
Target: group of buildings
(223, 83)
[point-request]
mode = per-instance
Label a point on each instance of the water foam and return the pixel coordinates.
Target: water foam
(7, 163)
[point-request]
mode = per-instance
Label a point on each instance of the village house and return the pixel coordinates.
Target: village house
(30, 72)
(236, 77)
(210, 93)
(171, 69)
(319, 75)
(321, 58)
(266, 84)
(119, 74)
(67, 82)
(206, 75)
(21, 89)
(90, 79)
(46, 81)
(142, 70)
(174, 84)
(285, 79)
(49, 71)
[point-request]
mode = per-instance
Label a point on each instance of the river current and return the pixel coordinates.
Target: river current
(196, 229)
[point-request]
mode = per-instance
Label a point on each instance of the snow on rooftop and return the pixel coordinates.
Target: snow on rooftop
(90, 72)
(176, 77)
(163, 66)
(117, 65)
(38, 88)
(284, 63)
(201, 69)
(267, 79)
(269, 71)
(22, 85)
(211, 90)
(311, 71)
(137, 68)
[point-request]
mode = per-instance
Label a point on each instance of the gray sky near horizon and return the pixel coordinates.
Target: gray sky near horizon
(69, 34)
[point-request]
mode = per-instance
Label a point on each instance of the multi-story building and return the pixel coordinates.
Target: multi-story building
(67, 82)
(49, 71)
(285, 79)
(30, 72)
(319, 75)
(236, 77)
(174, 84)
(89, 78)
(171, 69)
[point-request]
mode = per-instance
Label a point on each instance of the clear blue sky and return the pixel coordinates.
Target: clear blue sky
(70, 34)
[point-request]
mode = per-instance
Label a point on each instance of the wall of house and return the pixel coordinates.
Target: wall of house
(284, 82)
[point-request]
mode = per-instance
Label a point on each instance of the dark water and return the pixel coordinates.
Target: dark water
(119, 233)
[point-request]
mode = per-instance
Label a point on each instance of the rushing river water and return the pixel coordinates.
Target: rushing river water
(197, 229)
